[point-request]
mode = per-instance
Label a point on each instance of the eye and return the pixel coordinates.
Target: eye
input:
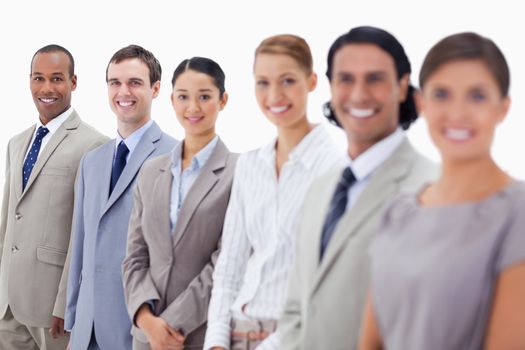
(288, 81)
(477, 95)
(38, 78)
(262, 83)
(440, 94)
(135, 83)
(182, 97)
(375, 78)
(57, 79)
(204, 97)
(345, 78)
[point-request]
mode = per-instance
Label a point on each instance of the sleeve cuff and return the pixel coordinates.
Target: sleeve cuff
(217, 335)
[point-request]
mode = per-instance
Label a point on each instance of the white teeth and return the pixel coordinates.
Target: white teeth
(361, 113)
(279, 109)
(125, 103)
(458, 134)
(48, 100)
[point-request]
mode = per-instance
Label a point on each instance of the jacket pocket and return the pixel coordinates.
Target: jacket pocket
(54, 171)
(51, 256)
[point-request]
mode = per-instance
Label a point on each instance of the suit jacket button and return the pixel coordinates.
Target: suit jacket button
(18, 216)
(14, 249)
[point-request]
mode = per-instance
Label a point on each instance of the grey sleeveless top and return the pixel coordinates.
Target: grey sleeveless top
(434, 269)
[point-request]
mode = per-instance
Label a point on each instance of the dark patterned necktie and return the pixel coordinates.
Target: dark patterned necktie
(337, 207)
(118, 164)
(32, 156)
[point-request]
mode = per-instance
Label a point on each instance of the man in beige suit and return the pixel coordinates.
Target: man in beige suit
(372, 101)
(41, 167)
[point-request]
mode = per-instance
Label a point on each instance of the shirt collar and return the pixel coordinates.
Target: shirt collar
(307, 151)
(198, 160)
(132, 140)
(56, 122)
(365, 164)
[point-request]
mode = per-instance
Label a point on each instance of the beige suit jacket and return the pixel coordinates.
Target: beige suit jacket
(326, 299)
(174, 269)
(36, 222)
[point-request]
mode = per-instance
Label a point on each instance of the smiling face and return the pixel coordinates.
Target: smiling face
(281, 89)
(462, 105)
(197, 102)
(51, 85)
(366, 94)
(130, 92)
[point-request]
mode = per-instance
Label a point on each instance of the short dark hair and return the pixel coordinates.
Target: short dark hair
(388, 43)
(136, 51)
(56, 48)
(202, 65)
(467, 46)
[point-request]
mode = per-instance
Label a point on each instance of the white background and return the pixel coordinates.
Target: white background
(228, 32)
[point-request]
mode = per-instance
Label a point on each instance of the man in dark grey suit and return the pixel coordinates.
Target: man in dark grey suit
(96, 312)
(372, 100)
(37, 207)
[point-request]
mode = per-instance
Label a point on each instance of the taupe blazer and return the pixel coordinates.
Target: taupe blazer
(174, 269)
(36, 222)
(326, 299)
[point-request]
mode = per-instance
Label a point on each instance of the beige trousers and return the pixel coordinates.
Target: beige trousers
(17, 336)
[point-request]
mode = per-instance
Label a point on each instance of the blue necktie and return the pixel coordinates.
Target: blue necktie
(337, 207)
(32, 155)
(118, 164)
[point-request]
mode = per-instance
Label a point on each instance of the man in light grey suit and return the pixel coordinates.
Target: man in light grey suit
(373, 101)
(37, 208)
(96, 313)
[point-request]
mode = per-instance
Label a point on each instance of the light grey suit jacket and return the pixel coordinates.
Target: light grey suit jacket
(325, 300)
(174, 269)
(95, 297)
(36, 223)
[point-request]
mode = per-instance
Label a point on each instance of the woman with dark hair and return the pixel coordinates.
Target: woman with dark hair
(270, 183)
(448, 267)
(176, 224)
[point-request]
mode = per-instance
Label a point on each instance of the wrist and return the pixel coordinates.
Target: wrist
(144, 316)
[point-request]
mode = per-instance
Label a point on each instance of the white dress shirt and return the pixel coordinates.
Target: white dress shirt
(183, 180)
(132, 140)
(258, 240)
(52, 126)
(366, 163)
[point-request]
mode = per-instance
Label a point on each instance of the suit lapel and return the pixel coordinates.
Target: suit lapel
(104, 166)
(71, 123)
(18, 162)
(161, 206)
(144, 149)
(200, 188)
(383, 185)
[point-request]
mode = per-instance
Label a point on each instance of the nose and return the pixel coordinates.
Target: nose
(360, 92)
(123, 89)
(193, 105)
(458, 110)
(275, 94)
(47, 87)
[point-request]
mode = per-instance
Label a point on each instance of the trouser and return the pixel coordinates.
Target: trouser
(17, 336)
(248, 334)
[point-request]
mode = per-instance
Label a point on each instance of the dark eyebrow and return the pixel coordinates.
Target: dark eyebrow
(377, 72)
(205, 90)
(136, 79)
(112, 80)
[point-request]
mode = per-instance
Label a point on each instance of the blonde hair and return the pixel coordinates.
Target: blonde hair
(289, 45)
